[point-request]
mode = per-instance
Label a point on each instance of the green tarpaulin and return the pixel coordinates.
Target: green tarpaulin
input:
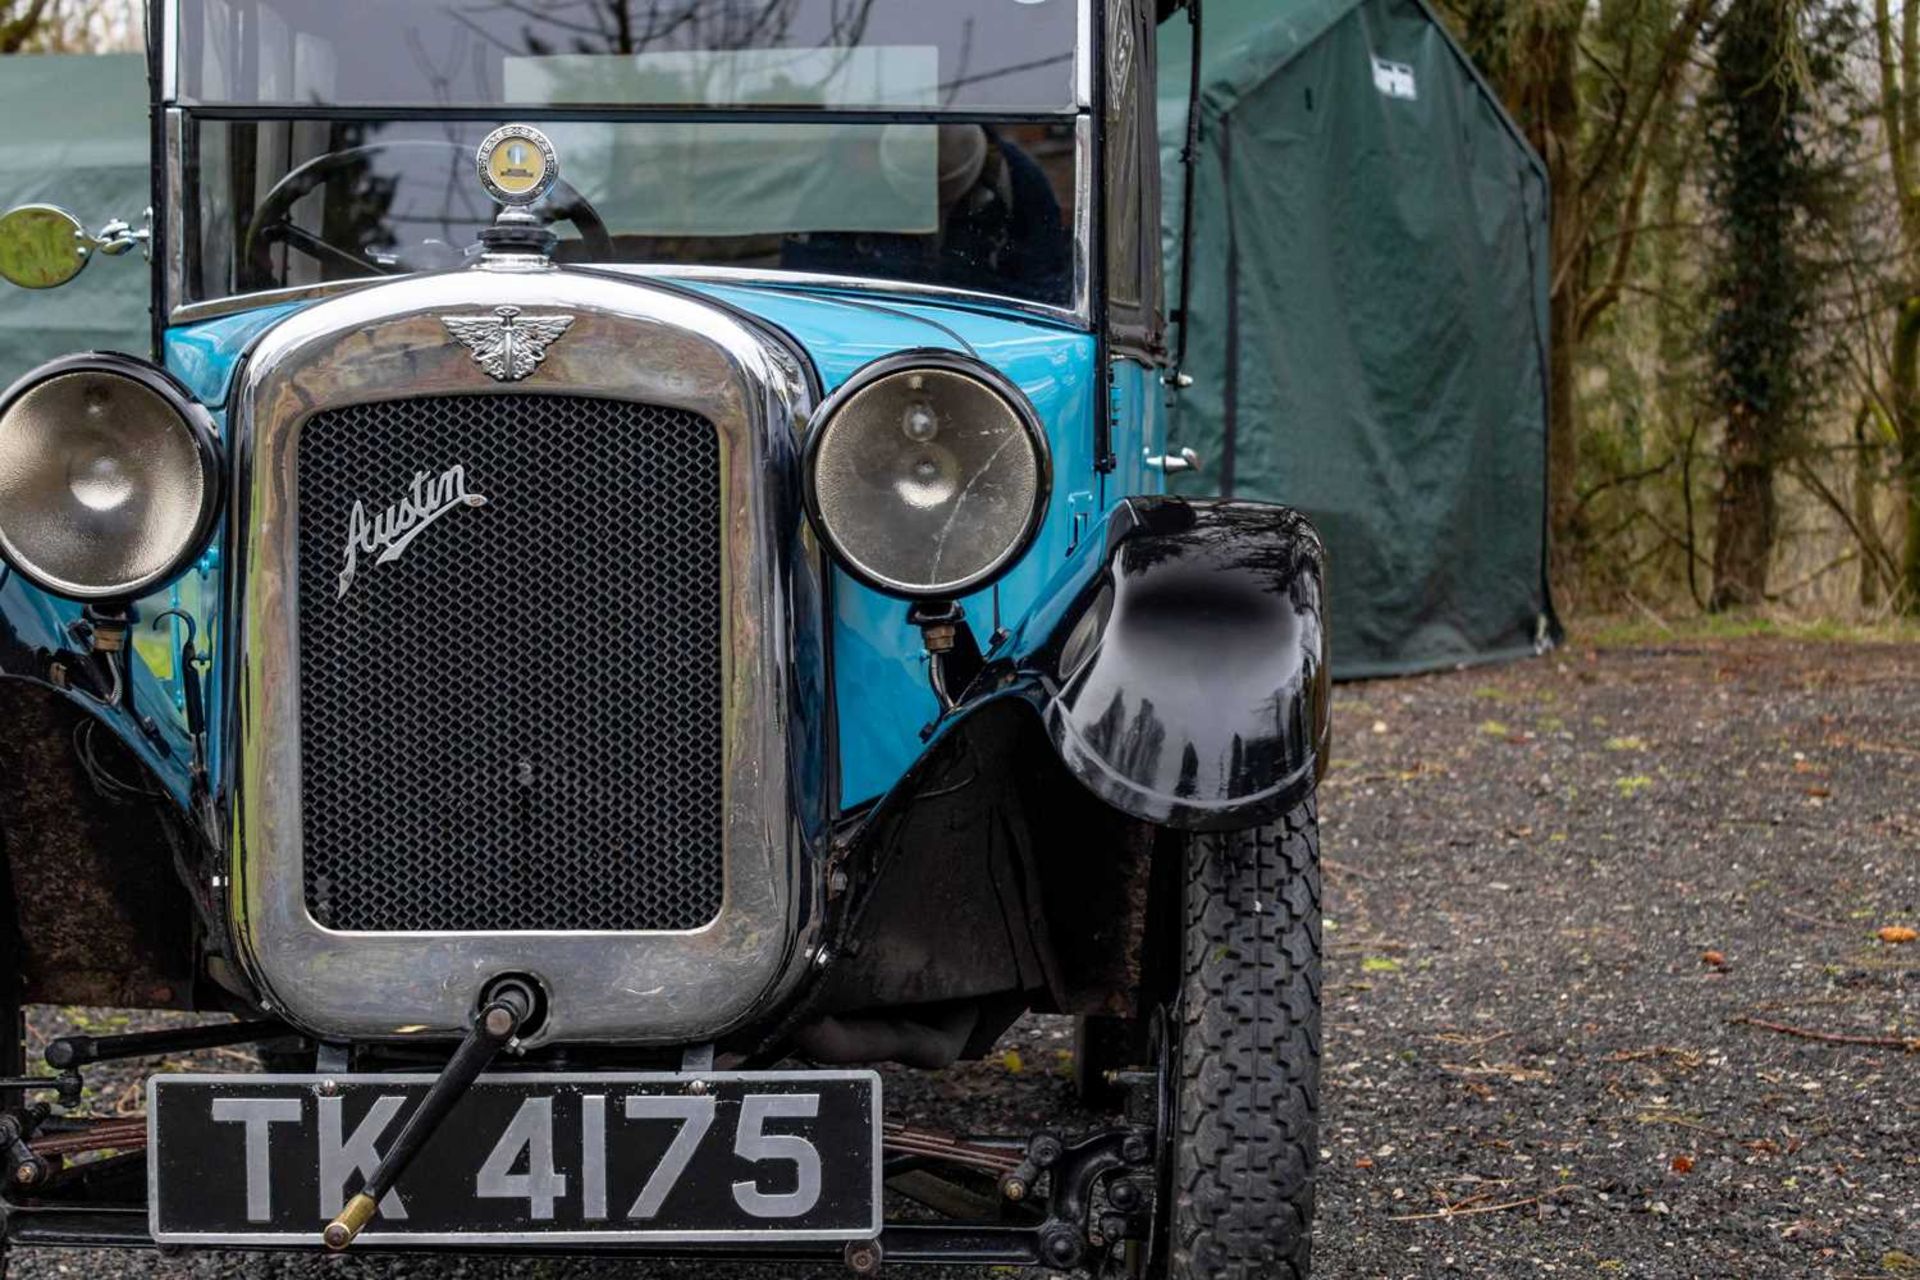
(1368, 336)
(77, 138)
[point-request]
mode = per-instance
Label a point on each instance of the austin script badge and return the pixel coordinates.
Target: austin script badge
(507, 344)
(388, 535)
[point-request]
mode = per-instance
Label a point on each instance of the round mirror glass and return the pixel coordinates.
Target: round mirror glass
(41, 247)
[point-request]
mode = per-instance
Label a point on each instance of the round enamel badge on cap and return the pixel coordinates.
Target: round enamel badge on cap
(516, 164)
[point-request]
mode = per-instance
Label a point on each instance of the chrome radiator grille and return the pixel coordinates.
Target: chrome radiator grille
(515, 724)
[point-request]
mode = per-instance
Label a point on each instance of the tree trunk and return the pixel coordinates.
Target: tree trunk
(1866, 479)
(1759, 185)
(1899, 58)
(1906, 426)
(1743, 534)
(1563, 436)
(1553, 126)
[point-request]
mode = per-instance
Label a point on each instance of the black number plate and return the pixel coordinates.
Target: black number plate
(528, 1159)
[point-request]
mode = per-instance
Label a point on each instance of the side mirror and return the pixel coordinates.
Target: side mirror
(42, 247)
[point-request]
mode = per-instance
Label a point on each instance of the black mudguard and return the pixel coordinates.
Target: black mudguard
(1187, 685)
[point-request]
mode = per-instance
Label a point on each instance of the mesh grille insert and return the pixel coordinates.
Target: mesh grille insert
(515, 723)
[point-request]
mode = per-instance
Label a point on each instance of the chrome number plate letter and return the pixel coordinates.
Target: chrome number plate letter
(341, 1159)
(752, 1142)
(531, 1131)
(258, 1115)
(696, 1116)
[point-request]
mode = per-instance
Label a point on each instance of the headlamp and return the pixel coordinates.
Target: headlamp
(927, 474)
(109, 477)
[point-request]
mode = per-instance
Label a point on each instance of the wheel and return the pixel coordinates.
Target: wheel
(1245, 1067)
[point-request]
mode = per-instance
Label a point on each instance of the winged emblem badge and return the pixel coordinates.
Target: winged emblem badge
(508, 344)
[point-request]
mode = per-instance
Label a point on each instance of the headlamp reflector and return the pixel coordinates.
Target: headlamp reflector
(108, 479)
(927, 475)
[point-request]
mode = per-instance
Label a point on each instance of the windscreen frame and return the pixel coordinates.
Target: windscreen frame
(168, 90)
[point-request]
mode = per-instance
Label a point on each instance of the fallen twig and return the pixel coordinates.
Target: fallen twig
(1684, 1122)
(1685, 1059)
(1461, 1206)
(1512, 1071)
(1347, 869)
(1464, 1040)
(1801, 915)
(1885, 747)
(1482, 1208)
(1910, 1043)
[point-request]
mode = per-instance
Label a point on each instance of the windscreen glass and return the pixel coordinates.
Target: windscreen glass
(962, 55)
(279, 203)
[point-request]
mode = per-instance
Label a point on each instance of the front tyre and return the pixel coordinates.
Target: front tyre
(1246, 1067)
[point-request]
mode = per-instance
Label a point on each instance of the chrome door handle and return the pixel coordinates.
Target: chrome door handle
(1174, 463)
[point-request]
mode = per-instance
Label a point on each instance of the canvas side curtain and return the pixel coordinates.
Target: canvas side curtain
(1368, 324)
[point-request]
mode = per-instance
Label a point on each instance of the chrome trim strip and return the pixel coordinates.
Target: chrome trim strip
(1084, 200)
(534, 1238)
(234, 305)
(174, 178)
(1075, 315)
(1083, 57)
(628, 342)
(169, 38)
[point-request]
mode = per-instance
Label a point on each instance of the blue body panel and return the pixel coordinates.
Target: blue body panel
(882, 698)
(881, 692)
(33, 622)
(204, 356)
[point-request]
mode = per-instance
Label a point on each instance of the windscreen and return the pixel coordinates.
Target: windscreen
(988, 208)
(962, 55)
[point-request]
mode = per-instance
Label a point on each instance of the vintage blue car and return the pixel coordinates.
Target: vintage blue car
(634, 585)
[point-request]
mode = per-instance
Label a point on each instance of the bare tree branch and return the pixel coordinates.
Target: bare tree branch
(16, 32)
(1870, 544)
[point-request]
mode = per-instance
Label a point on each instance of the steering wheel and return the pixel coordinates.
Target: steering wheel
(272, 220)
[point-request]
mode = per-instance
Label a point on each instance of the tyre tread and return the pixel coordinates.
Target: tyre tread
(1247, 1128)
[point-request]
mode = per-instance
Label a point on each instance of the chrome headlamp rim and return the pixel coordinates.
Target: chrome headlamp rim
(206, 444)
(966, 366)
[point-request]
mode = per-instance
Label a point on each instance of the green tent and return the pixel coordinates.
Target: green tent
(79, 140)
(1369, 311)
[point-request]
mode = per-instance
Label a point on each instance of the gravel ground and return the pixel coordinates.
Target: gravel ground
(1553, 892)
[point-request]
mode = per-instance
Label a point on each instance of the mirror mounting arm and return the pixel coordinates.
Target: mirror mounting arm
(119, 236)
